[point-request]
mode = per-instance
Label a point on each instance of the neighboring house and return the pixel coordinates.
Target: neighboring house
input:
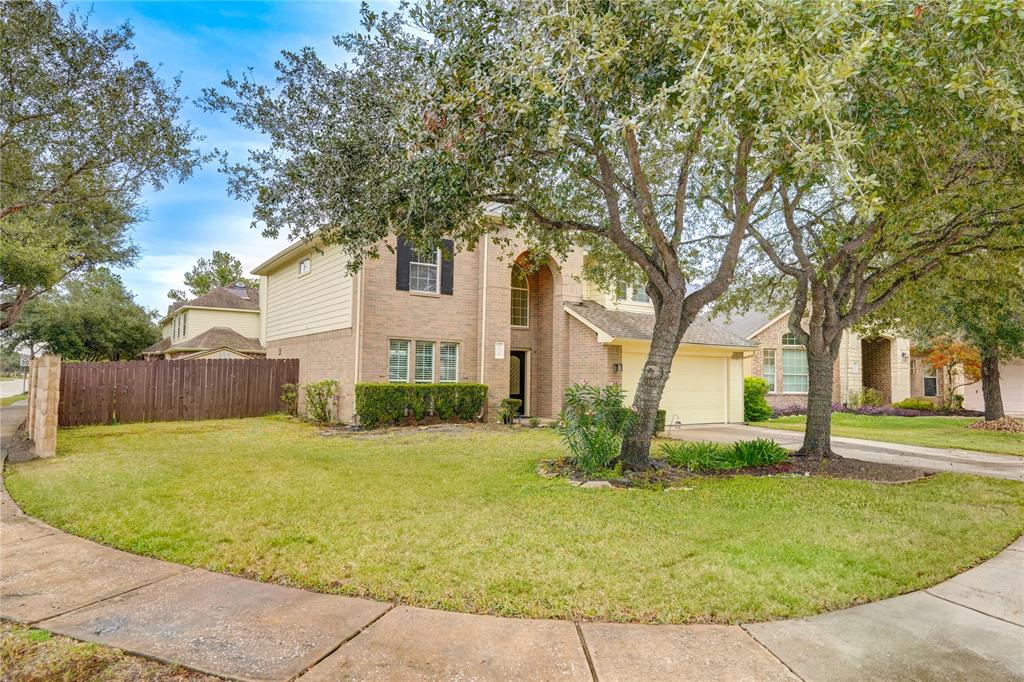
(884, 363)
(1011, 383)
(485, 316)
(224, 323)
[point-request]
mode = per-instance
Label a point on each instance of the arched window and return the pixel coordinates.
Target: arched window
(520, 298)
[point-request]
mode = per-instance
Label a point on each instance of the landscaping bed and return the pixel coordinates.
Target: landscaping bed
(460, 520)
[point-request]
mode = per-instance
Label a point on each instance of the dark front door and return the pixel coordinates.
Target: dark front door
(517, 378)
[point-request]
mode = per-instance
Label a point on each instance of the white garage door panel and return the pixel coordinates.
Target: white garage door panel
(1011, 382)
(696, 392)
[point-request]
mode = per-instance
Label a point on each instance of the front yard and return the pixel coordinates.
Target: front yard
(460, 520)
(937, 432)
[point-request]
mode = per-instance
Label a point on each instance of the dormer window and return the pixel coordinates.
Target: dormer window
(632, 294)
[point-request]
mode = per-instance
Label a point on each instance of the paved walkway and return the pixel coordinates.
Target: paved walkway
(932, 459)
(967, 628)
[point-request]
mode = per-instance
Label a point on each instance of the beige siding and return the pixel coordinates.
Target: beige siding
(165, 330)
(318, 301)
(246, 323)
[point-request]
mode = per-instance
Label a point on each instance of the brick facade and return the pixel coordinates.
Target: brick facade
(876, 355)
(771, 338)
(328, 355)
(917, 369)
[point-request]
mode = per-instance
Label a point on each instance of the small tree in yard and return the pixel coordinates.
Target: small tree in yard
(960, 362)
(651, 133)
(977, 298)
(939, 119)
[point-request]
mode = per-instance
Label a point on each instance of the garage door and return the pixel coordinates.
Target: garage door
(697, 389)
(1011, 381)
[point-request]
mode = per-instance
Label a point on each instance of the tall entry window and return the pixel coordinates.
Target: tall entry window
(520, 298)
(768, 368)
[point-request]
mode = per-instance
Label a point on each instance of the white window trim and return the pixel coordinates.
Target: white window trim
(415, 360)
(437, 278)
(629, 293)
(309, 268)
(408, 355)
(775, 368)
(440, 363)
(527, 290)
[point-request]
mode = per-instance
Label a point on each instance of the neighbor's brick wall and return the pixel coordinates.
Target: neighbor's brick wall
(327, 355)
(771, 337)
(876, 355)
(917, 368)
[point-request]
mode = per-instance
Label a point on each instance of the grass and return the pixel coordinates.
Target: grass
(461, 521)
(939, 432)
(11, 399)
(31, 655)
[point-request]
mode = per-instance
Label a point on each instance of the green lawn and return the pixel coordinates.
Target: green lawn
(939, 432)
(11, 399)
(461, 521)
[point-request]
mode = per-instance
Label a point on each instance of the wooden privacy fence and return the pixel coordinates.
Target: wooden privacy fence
(171, 390)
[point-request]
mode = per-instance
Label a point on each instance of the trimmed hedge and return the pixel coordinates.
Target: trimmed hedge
(755, 405)
(382, 404)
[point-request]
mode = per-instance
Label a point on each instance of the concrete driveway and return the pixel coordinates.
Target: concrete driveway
(931, 459)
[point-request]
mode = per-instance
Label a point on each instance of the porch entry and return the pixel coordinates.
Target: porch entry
(517, 368)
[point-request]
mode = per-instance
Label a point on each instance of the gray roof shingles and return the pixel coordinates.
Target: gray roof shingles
(236, 298)
(625, 325)
(212, 339)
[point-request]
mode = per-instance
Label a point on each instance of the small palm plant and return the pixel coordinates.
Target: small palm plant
(593, 423)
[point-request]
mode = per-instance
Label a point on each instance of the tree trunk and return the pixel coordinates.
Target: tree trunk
(990, 385)
(636, 446)
(818, 431)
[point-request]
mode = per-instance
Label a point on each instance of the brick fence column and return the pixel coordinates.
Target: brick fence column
(43, 398)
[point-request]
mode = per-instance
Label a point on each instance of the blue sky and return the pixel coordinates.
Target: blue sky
(201, 42)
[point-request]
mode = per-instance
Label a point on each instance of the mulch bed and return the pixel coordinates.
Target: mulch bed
(663, 475)
(1003, 424)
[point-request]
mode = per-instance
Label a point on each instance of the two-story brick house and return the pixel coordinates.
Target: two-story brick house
(521, 323)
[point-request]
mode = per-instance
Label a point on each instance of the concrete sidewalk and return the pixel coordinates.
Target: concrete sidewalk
(931, 459)
(970, 627)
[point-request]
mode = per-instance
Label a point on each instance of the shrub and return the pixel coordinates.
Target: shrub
(916, 404)
(378, 404)
(534, 422)
(755, 407)
(702, 457)
(659, 422)
(757, 453)
(290, 398)
(508, 410)
(593, 423)
(697, 457)
(319, 396)
(869, 397)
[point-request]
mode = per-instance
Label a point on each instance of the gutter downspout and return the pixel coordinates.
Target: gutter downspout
(483, 311)
(358, 339)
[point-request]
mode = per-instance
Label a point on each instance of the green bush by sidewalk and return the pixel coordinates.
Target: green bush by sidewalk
(383, 404)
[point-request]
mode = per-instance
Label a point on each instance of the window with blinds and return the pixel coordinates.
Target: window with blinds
(768, 368)
(398, 361)
(424, 362)
(449, 362)
(794, 370)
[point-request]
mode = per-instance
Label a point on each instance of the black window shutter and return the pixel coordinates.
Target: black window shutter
(404, 253)
(448, 267)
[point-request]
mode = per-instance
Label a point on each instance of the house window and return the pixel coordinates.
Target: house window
(768, 367)
(305, 264)
(398, 361)
(634, 294)
(449, 362)
(640, 296)
(520, 298)
(424, 362)
(794, 370)
(931, 381)
(423, 269)
(789, 339)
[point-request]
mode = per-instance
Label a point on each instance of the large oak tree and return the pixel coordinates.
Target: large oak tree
(85, 126)
(652, 133)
